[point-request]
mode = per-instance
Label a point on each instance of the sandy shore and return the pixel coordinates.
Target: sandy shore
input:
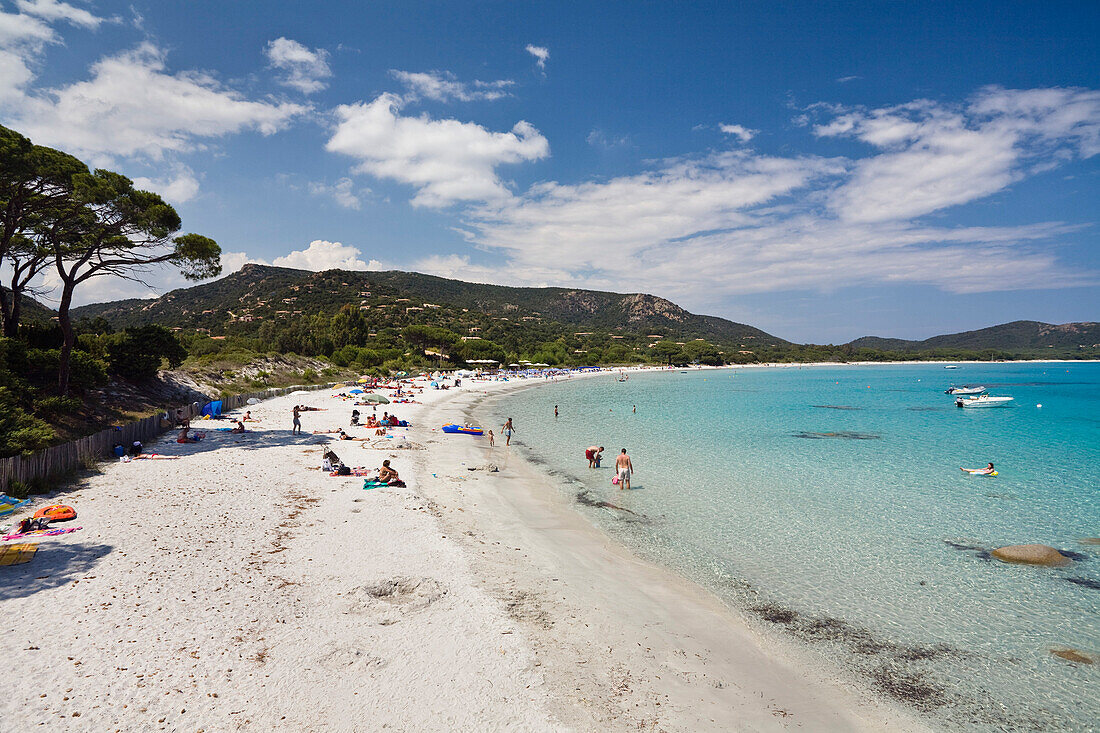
(239, 588)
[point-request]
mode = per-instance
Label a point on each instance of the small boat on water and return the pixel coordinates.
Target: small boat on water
(983, 400)
(950, 366)
(965, 389)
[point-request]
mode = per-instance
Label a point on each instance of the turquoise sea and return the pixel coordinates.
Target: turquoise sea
(827, 504)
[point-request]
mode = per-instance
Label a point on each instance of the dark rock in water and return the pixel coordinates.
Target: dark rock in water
(1087, 582)
(843, 434)
(1031, 555)
(837, 407)
(1072, 655)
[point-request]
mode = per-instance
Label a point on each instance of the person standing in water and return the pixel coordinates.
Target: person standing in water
(508, 430)
(624, 468)
(555, 410)
(297, 428)
(593, 454)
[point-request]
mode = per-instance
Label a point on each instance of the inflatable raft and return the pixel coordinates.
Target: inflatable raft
(464, 429)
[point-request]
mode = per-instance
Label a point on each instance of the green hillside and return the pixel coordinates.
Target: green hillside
(1017, 336)
(242, 302)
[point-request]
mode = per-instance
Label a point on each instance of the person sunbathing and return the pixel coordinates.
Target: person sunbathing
(345, 436)
(386, 474)
(185, 438)
(239, 428)
(248, 417)
(372, 422)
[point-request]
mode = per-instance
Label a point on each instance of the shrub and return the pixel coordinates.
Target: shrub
(137, 352)
(20, 432)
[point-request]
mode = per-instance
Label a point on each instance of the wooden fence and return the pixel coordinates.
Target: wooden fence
(61, 459)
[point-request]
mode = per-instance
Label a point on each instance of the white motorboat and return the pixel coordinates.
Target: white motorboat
(950, 366)
(965, 390)
(982, 401)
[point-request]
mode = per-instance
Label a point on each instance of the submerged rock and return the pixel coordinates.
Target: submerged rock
(1031, 555)
(1090, 541)
(1072, 655)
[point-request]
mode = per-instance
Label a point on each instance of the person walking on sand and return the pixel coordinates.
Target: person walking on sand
(508, 431)
(491, 439)
(297, 420)
(624, 468)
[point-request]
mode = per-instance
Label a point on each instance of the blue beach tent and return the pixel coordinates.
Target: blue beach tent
(213, 409)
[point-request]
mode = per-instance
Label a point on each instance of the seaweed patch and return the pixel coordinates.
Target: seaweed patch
(914, 689)
(842, 435)
(1086, 582)
(584, 498)
(837, 407)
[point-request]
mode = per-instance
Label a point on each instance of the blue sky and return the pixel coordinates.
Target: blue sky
(819, 170)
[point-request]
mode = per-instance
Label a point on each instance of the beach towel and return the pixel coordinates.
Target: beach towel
(368, 484)
(18, 554)
(9, 505)
(360, 471)
(40, 533)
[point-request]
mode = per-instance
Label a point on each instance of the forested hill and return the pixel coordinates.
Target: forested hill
(1021, 336)
(33, 311)
(259, 293)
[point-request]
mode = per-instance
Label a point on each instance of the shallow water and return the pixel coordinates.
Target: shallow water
(829, 504)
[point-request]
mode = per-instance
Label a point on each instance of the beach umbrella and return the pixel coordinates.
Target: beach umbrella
(253, 401)
(363, 380)
(376, 398)
(355, 391)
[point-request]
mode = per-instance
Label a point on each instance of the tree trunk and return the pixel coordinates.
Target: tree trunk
(63, 367)
(6, 314)
(11, 325)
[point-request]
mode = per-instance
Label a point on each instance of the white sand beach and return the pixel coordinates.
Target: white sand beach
(240, 588)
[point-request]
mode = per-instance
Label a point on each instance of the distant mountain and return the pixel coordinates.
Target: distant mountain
(258, 292)
(1018, 336)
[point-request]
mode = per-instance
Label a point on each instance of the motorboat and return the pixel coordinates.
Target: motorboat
(983, 400)
(965, 390)
(950, 366)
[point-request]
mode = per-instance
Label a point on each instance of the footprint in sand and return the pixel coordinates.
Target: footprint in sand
(401, 594)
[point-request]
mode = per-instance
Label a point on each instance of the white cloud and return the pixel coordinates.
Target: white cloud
(51, 10)
(937, 155)
(304, 68)
(234, 261)
(445, 160)
(324, 255)
(597, 138)
(131, 107)
(180, 187)
(343, 192)
(444, 87)
(738, 222)
(17, 29)
(742, 133)
(541, 54)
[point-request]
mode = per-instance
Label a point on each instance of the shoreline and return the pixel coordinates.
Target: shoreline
(238, 587)
(694, 663)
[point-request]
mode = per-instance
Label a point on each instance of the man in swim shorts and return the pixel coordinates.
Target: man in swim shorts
(624, 468)
(297, 420)
(508, 431)
(592, 453)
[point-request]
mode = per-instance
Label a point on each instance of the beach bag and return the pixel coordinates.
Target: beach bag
(615, 480)
(343, 471)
